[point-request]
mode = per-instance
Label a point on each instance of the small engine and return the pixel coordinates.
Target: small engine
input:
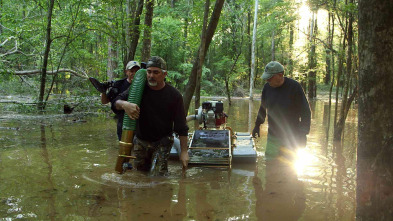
(211, 114)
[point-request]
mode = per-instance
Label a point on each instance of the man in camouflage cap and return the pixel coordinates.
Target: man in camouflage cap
(160, 114)
(288, 111)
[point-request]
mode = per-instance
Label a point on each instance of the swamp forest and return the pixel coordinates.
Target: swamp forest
(58, 143)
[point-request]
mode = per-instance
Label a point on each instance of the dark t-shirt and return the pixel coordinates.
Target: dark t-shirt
(288, 111)
(161, 113)
(119, 87)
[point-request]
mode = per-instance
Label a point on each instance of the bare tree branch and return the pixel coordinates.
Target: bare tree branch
(32, 72)
(13, 50)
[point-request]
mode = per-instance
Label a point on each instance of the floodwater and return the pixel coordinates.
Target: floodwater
(61, 167)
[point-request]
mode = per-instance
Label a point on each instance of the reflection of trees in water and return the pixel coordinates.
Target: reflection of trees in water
(51, 189)
(159, 202)
(282, 198)
(204, 210)
(341, 179)
(179, 210)
(341, 173)
(343, 183)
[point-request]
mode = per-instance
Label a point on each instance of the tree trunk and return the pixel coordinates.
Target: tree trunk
(1, 15)
(227, 90)
(186, 24)
(312, 61)
(273, 48)
(374, 194)
(339, 75)
(112, 64)
(254, 36)
(249, 46)
(291, 41)
(146, 48)
(201, 56)
(346, 103)
(329, 48)
(333, 72)
(127, 22)
(134, 33)
(41, 104)
(190, 87)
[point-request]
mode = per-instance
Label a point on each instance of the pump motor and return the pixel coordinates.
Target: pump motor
(211, 114)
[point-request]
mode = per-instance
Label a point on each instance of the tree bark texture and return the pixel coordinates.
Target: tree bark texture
(146, 48)
(273, 48)
(112, 57)
(134, 32)
(253, 46)
(41, 105)
(328, 48)
(128, 19)
(291, 42)
(201, 56)
(312, 61)
(190, 87)
(339, 75)
(1, 15)
(331, 36)
(249, 46)
(374, 191)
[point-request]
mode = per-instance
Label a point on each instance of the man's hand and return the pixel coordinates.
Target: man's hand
(255, 131)
(131, 109)
(184, 158)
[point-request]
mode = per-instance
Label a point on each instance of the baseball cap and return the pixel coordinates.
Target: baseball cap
(156, 61)
(272, 68)
(132, 64)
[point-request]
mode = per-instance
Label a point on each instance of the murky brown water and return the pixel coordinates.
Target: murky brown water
(63, 169)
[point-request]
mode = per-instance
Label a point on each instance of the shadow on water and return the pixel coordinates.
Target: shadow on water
(63, 168)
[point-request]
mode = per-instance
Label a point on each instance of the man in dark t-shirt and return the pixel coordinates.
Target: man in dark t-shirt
(116, 88)
(288, 111)
(160, 114)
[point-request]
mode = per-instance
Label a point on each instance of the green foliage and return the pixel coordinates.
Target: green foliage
(10, 84)
(168, 41)
(81, 31)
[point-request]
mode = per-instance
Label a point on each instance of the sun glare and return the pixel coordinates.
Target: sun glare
(305, 16)
(304, 160)
(303, 24)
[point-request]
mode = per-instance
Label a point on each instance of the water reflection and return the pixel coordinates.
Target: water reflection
(63, 169)
(282, 196)
(45, 155)
(179, 209)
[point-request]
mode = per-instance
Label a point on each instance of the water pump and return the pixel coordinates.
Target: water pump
(211, 115)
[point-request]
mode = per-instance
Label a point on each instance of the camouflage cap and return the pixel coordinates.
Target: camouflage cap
(132, 64)
(272, 68)
(156, 61)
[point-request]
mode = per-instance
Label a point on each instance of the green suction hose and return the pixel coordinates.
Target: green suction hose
(129, 126)
(135, 96)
